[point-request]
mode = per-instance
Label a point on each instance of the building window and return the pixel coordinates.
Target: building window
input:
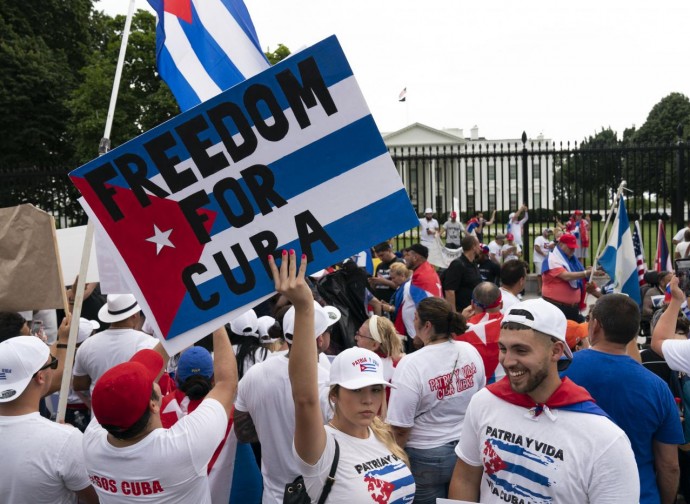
(536, 168)
(512, 171)
(492, 201)
(513, 201)
(492, 172)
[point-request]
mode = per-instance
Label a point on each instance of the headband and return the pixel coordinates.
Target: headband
(373, 328)
(492, 305)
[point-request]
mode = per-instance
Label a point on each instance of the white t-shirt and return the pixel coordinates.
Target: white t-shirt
(106, 349)
(495, 249)
(509, 299)
(42, 462)
(167, 466)
(367, 471)
(511, 256)
(265, 393)
(677, 354)
(425, 225)
(260, 355)
(434, 387)
(577, 457)
(540, 242)
(680, 235)
(682, 248)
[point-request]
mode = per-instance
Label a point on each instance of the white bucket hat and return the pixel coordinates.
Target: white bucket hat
(118, 307)
(356, 368)
(324, 317)
(20, 358)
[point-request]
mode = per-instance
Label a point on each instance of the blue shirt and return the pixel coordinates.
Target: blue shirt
(637, 400)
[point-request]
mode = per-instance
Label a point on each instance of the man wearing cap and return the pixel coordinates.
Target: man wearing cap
(453, 230)
(462, 275)
(495, 247)
(488, 269)
(542, 246)
(112, 346)
(564, 278)
(635, 398)
(581, 233)
(518, 442)
(512, 250)
(424, 275)
(265, 412)
(130, 457)
(428, 227)
(42, 461)
(381, 284)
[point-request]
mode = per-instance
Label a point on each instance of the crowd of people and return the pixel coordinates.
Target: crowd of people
(457, 386)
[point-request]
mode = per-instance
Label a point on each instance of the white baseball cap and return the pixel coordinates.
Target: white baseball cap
(541, 316)
(265, 323)
(246, 324)
(356, 368)
(118, 307)
(324, 317)
(20, 358)
(86, 328)
(429, 210)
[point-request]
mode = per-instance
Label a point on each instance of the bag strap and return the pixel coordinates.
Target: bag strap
(331, 475)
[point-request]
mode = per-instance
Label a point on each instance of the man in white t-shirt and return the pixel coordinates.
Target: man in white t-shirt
(542, 246)
(511, 250)
(130, 457)
(682, 250)
(265, 412)
(428, 227)
(454, 231)
(517, 442)
(516, 221)
(42, 462)
(513, 278)
(113, 346)
(673, 348)
(680, 235)
(495, 248)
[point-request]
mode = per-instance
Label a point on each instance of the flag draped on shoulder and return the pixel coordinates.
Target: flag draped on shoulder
(663, 258)
(405, 301)
(619, 258)
(204, 47)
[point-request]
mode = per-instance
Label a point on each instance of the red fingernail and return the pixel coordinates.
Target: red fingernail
(284, 252)
(304, 256)
(270, 257)
(292, 251)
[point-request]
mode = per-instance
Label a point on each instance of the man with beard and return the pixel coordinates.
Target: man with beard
(517, 441)
(428, 228)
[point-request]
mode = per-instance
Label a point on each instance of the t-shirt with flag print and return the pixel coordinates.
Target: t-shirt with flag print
(367, 472)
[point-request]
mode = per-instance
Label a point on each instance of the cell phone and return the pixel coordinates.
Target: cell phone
(682, 267)
(36, 326)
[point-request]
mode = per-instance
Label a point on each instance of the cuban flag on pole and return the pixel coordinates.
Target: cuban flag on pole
(663, 258)
(618, 259)
(204, 47)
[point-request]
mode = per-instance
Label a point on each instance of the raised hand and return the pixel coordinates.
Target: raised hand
(289, 280)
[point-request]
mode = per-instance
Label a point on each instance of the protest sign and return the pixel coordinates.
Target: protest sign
(70, 244)
(289, 159)
(30, 276)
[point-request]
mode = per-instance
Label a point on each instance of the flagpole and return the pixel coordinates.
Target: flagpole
(616, 198)
(103, 147)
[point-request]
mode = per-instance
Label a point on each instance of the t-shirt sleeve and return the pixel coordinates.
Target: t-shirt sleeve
(679, 235)
(147, 343)
(467, 448)
(451, 280)
(670, 430)
(677, 354)
(615, 477)
(78, 368)
(240, 400)
(202, 431)
(404, 399)
(72, 468)
(321, 469)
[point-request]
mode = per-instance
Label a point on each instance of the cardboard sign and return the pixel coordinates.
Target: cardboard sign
(289, 159)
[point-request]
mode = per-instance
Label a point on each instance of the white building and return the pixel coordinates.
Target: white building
(445, 170)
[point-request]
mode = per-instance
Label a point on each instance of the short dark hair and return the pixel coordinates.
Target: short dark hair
(382, 247)
(468, 242)
(513, 271)
(11, 324)
(619, 317)
(486, 293)
(686, 235)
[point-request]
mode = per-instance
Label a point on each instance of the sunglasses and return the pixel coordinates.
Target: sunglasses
(360, 335)
(53, 364)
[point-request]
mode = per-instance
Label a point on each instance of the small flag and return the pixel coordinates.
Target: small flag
(367, 367)
(663, 258)
(204, 47)
(639, 253)
(667, 293)
(618, 259)
(403, 95)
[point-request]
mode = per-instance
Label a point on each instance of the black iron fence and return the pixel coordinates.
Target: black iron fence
(553, 180)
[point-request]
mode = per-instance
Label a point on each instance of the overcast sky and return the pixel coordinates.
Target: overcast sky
(564, 69)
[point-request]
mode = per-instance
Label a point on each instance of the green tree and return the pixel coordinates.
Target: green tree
(663, 120)
(279, 54)
(144, 100)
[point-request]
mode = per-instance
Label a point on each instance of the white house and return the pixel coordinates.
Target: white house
(443, 169)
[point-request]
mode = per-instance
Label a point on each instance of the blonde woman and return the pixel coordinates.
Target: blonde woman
(355, 433)
(378, 334)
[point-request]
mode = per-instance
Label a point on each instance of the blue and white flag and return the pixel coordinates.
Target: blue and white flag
(204, 47)
(288, 159)
(619, 259)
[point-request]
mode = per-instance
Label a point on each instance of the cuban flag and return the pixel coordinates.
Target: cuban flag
(619, 258)
(204, 47)
(405, 300)
(483, 332)
(639, 253)
(663, 258)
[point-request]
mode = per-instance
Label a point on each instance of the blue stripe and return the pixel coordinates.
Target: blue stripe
(332, 65)
(352, 233)
(184, 93)
(518, 489)
(241, 15)
(315, 164)
(526, 473)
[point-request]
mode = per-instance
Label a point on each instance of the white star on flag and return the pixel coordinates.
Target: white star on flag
(161, 239)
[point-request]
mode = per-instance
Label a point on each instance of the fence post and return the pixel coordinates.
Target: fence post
(525, 201)
(679, 211)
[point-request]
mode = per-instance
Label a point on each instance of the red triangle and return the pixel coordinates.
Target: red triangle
(180, 8)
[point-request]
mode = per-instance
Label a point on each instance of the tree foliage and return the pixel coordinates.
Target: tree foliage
(663, 120)
(279, 54)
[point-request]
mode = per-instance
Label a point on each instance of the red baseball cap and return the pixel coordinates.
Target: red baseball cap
(122, 394)
(509, 236)
(577, 212)
(453, 215)
(569, 240)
